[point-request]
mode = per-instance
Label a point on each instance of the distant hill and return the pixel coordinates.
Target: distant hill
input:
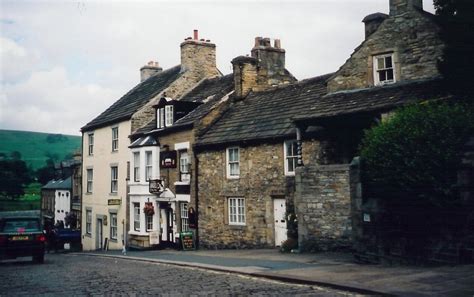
(35, 148)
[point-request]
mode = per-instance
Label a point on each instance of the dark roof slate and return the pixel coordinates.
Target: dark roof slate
(136, 98)
(208, 92)
(270, 114)
(62, 184)
(267, 114)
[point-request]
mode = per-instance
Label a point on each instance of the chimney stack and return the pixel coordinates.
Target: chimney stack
(401, 6)
(149, 70)
(372, 22)
(263, 69)
(197, 54)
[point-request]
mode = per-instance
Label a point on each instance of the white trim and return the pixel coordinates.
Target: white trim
(181, 146)
(183, 197)
(229, 176)
(237, 214)
(287, 172)
(377, 81)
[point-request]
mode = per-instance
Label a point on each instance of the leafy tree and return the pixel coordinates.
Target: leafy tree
(414, 153)
(14, 175)
(457, 22)
(46, 173)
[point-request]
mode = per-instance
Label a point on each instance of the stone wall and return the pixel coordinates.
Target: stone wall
(262, 179)
(323, 207)
(414, 39)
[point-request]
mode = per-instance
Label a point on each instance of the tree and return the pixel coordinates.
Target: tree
(415, 153)
(457, 22)
(14, 175)
(46, 173)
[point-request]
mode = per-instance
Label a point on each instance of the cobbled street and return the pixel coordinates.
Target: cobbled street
(73, 275)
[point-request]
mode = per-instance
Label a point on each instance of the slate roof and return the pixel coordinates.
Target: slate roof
(271, 114)
(136, 98)
(374, 99)
(62, 184)
(265, 115)
(208, 92)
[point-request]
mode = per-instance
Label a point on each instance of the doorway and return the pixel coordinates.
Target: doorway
(279, 215)
(99, 235)
(166, 222)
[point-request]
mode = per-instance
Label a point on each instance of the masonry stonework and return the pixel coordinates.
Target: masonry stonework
(262, 178)
(410, 35)
(323, 207)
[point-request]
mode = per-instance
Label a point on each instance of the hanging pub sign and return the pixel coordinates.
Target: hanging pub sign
(155, 186)
(168, 159)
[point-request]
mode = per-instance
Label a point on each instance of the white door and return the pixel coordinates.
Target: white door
(279, 214)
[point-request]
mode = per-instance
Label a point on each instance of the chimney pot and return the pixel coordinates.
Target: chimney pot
(266, 42)
(258, 41)
(277, 43)
(208, 40)
(195, 34)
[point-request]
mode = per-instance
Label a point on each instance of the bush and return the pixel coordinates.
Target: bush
(416, 151)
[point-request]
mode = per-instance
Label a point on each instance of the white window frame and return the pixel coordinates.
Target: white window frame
(113, 226)
(236, 211)
(148, 165)
(90, 139)
(376, 70)
(136, 166)
(168, 115)
(162, 117)
(136, 216)
(184, 217)
(233, 163)
(184, 165)
(158, 118)
(90, 180)
(89, 221)
(115, 139)
(149, 223)
(113, 179)
(291, 160)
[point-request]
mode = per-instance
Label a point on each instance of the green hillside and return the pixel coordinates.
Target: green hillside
(35, 148)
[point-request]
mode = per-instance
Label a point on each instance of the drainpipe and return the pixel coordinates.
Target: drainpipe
(299, 147)
(196, 195)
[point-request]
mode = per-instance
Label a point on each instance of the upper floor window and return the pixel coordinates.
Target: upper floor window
(90, 137)
(136, 166)
(113, 179)
(233, 162)
(90, 176)
(184, 166)
(169, 115)
(115, 136)
(384, 72)
(291, 156)
(148, 165)
(160, 117)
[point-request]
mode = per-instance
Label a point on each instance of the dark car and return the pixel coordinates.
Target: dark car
(22, 237)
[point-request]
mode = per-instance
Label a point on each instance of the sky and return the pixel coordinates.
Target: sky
(62, 63)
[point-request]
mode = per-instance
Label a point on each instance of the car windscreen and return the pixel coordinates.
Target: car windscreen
(16, 225)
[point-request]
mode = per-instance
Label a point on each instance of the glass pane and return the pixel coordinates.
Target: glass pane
(380, 63)
(382, 76)
(390, 74)
(388, 62)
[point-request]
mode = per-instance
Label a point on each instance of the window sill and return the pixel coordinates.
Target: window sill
(88, 235)
(181, 183)
(237, 227)
(113, 194)
(88, 193)
(113, 240)
(116, 151)
(138, 233)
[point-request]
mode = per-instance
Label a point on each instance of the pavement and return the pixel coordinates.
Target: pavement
(333, 270)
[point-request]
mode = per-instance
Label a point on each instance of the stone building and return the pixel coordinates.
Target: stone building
(247, 159)
(106, 156)
(171, 135)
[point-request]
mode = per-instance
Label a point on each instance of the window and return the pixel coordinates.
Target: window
(236, 211)
(89, 221)
(113, 226)
(90, 176)
(384, 72)
(148, 165)
(291, 156)
(149, 223)
(113, 179)
(115, 136)
(136, 166)
(136, 216)
(169, 115)
(91, 143)
(233, 159)
(162, 117)
(184, 217)
(184, 166)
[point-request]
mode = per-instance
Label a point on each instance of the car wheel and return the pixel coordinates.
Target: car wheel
(38, 258)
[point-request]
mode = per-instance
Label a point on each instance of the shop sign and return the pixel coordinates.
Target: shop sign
(155, 186)
(187, 241)
(168, 159)
(114, 201)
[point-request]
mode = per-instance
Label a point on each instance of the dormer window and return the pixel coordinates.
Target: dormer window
(169, 115)
(384, 72)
